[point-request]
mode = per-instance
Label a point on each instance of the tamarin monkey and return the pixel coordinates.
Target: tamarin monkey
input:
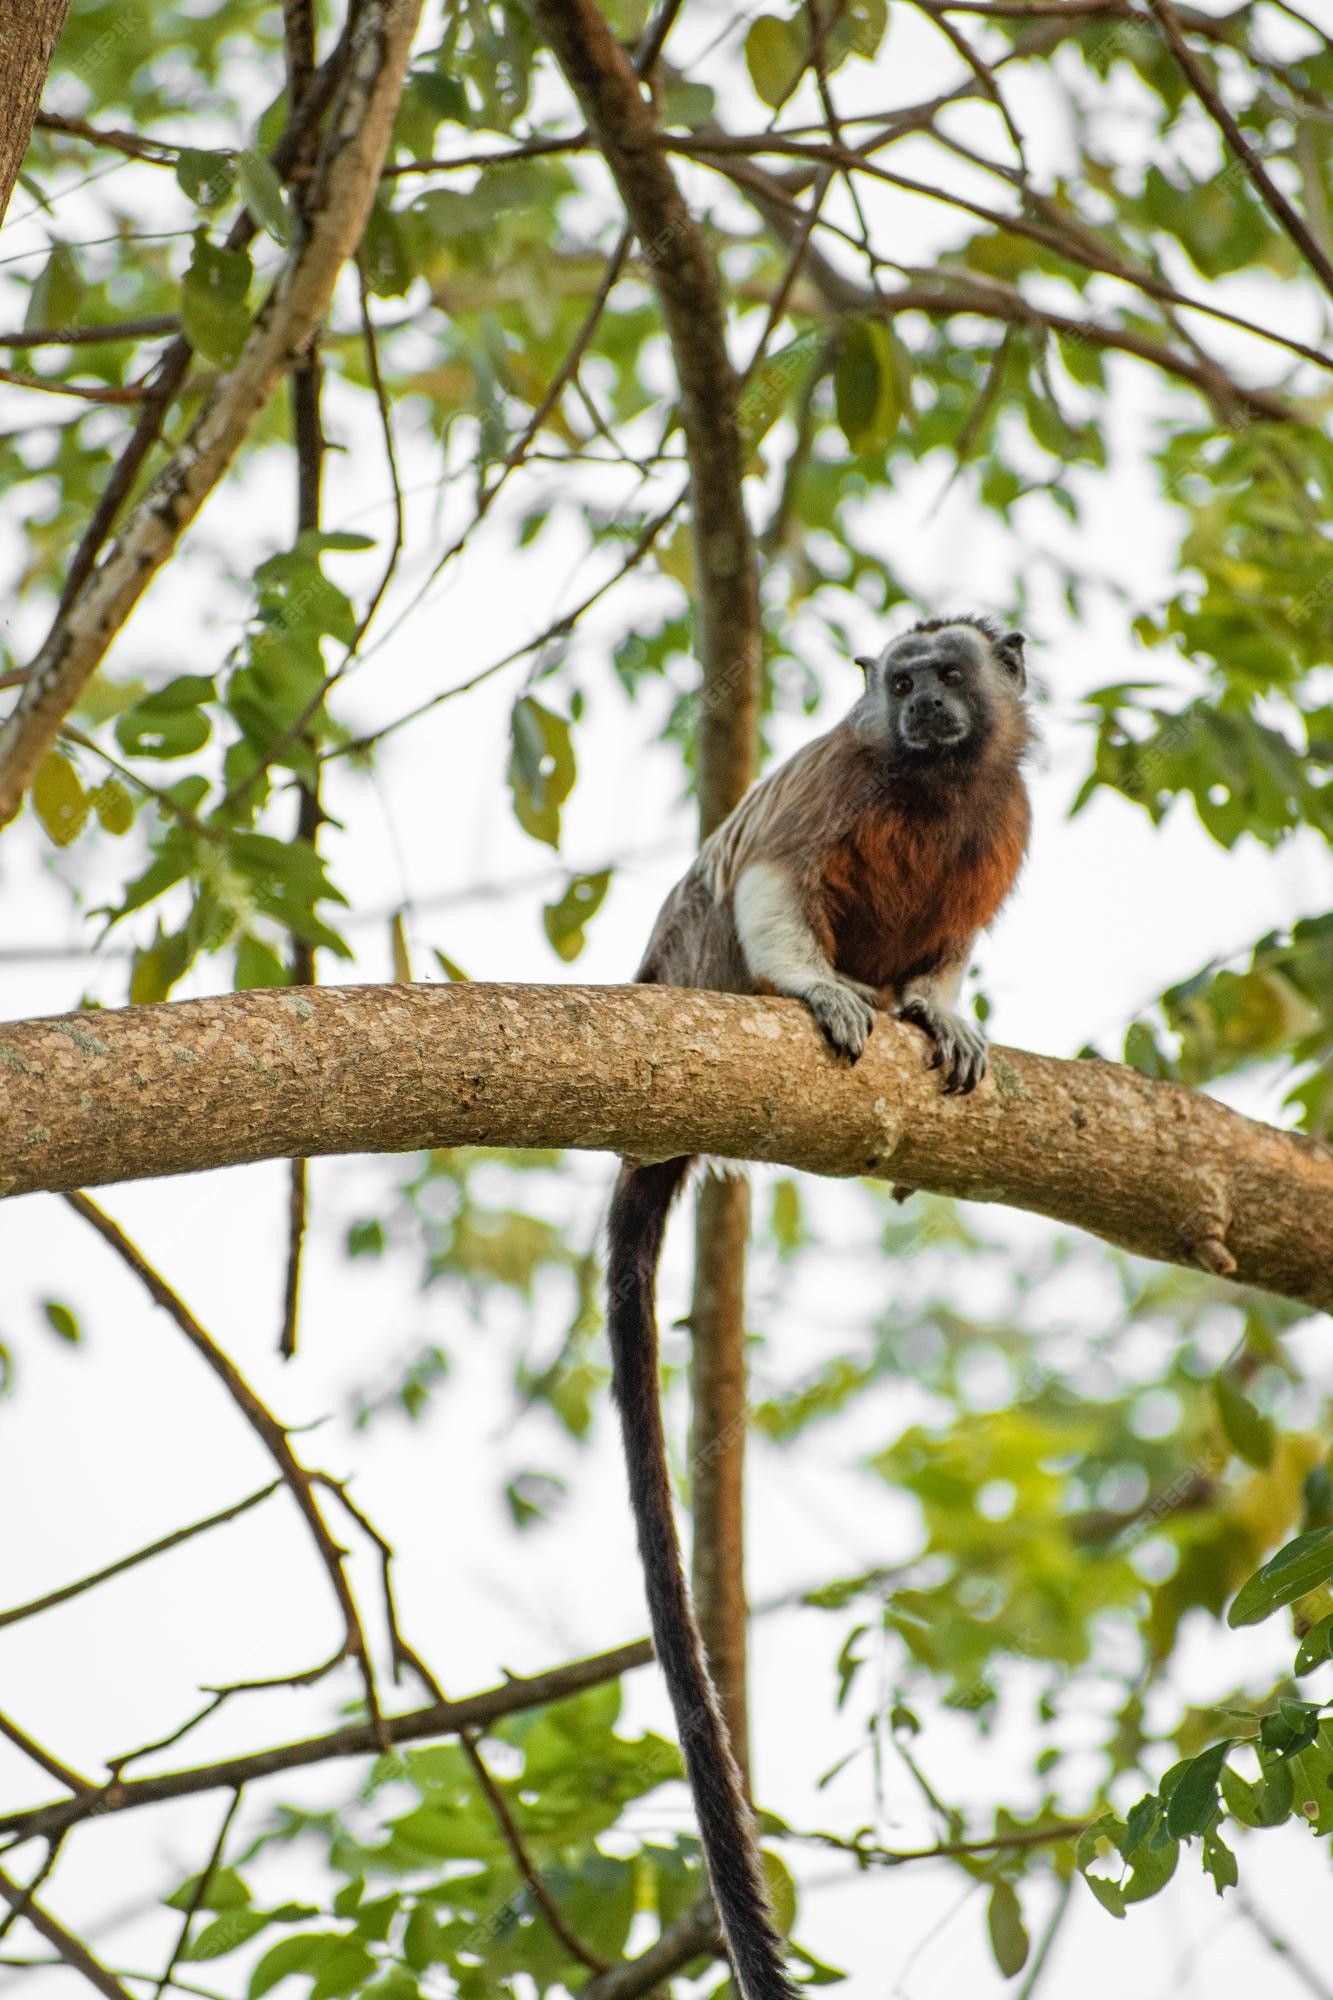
(854, 878)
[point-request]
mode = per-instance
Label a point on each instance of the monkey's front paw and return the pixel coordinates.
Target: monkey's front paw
(844, 1013)
(960, 1046)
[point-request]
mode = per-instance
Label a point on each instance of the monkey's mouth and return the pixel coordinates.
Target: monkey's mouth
(942, 732)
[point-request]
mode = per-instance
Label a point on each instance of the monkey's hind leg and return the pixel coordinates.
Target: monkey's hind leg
(960, 1045)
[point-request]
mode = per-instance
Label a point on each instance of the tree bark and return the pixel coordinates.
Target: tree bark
(654, 1072)
(728, 637)
(29, 31)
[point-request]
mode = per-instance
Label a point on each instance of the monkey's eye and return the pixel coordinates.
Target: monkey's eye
(951, 677)
(902, 684)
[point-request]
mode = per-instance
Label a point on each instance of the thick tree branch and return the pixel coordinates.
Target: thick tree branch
(357, 1739)
(29, 31)
(729, 641)
(653, 1072)
(727, 601)
(346, 176)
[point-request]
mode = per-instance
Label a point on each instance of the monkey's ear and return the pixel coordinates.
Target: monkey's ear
(1009, 650)
(866, 662)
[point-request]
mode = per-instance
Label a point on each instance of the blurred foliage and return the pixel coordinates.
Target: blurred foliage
(1088, 1480)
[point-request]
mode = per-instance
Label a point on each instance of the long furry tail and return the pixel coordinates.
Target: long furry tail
(637, 1224)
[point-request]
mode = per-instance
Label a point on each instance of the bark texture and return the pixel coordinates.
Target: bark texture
(611, 97)
(29, 31)
(654, 1072)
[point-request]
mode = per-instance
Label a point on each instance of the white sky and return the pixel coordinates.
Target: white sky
(107, 1447)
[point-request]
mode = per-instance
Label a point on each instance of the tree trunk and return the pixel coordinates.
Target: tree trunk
(29, 31)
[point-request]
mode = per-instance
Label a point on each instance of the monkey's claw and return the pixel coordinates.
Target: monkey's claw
(844, 1012)
(960, 1047)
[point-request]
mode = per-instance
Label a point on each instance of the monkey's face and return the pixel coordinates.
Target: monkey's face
(938, 686)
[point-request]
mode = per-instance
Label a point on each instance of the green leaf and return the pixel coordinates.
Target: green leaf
(565, 919)
(62, 1321)
(206, 178)
(868, 383)
(144, 731)
(1219, 1861)
(541, 768)
(58, 799)
(1266, 1804)
(1194, 1803)
(214, 312)
(346, 1967)
(54, 299)
(113, 805)
(1250, 1434)
(1316, 1647)
(303, 1953)
(775, 55)
(366, 1239)
(258, 966)
(1008, 1936)
(451, 969)
(1294, 1571)
(262, 193)
(226, 1891)
(228, 1931)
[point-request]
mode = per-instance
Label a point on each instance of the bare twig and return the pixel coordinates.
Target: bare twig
(203, 1883)
(1288, 218)
(265, 1426)
(53, 1767)
(71, 1949)
(61, 1596)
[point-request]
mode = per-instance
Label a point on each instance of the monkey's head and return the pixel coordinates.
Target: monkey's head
(945, 692)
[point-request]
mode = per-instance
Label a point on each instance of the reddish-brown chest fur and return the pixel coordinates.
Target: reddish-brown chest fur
(913, 882)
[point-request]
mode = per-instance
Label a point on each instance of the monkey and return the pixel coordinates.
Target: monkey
(854, 878)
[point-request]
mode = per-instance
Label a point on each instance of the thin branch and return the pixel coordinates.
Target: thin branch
(171, 1541)
(201, 1888)
(62, 1773)
(559, 628)
(266, 1428)
(134, 145)
(405, 1655)
(870, 1854)
(149, 328)
(174, 363)
(478, 1711)
(20, 1909)
(1286, 217)
(71, 1949)
(1080, 248)
(307, 385)
(24, 378)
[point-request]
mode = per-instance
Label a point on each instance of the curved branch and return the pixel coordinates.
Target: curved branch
(346, 178)
(654, 1072)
